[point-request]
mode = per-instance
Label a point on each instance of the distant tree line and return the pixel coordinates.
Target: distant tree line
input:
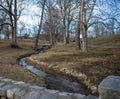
(63, 20)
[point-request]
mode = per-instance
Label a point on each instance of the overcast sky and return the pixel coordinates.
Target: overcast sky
(29, 15)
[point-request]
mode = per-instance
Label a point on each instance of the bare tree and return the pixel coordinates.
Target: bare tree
(86, 10)
(14, 10)
(40, 25)
(67, 11)
(71, 12)
(63, 5)
(2, 21)
(53, 22)
(50, 22)
(77, 34)
(8, 7)
(111, 26)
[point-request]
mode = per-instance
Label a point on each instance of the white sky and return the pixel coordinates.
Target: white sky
(29, 16)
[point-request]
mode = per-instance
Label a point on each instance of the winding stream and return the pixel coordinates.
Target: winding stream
(55, 82)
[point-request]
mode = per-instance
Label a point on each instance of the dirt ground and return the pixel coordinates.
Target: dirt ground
(9, 67)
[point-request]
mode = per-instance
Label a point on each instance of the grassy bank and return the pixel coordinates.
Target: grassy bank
(113, 40)
(97, 64)
(9, 67)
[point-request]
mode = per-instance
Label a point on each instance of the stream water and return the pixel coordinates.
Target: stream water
(55, 82)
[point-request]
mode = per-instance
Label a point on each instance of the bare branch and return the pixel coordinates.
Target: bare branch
(6, 10)
(5, 24)
(91, 10)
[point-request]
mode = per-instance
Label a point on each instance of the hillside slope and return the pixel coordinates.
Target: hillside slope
(113, 40)
(97, 64)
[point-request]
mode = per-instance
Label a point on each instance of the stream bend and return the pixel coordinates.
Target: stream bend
(54, 82)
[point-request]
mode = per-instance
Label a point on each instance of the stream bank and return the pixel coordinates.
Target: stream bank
(54, 81)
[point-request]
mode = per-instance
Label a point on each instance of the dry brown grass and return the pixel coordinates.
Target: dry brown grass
(97, 64)
(9, 67)
(113, 40)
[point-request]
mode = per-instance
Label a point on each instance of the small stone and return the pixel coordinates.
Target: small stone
(8, 81)
(80, 75)
(64, 95)
(51, 91)
(30, 58)
(91, 97)
(20, 82)
(4, 89)
(57, 67)
(1, 84)
(84, 76)
(35, 88)
(78, 96)
(19, 95)
(87, 82)
(93, 89)
(31, 95)
(48, 96)
(21, 85)
(11, 92)
(75, 73)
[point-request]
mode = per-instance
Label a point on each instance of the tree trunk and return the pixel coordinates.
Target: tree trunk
(11, 21)
(14, 28)
(0, 34)
(77, 37)
(40, 26)
(68, 36)
(64, 30)
(15, 35)
(84, 39)
(65, 37)
(83, 26)
(51, 38)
